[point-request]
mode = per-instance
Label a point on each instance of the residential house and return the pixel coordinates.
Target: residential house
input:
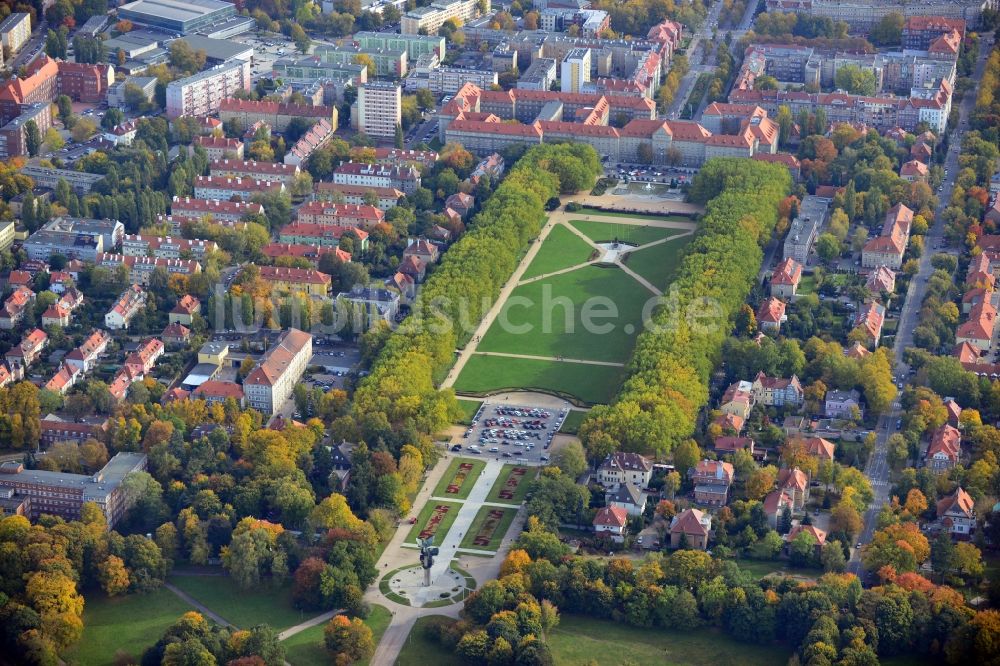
(414, 267)
(913, 171)
(980, 327)
(841, 404)
(622, 467)
(956, 513)
(729, 423)
(857, 351)
(771, 315)
(185, 310)
(422, 249)
(270, 384)
(214, 391)
(732, 443)
(293, 280)
(144, 357)
(176, 334)
(85, 356)
(738, 400)
(785, 279)
(776, 391)
(820, 448)
(954, 411)
(64, 379)
(15, 307)
(882, 280)
(125, 308)
(712, 479)
(869, 320)
(27, 351)
(611, 521)
(461, 203)
(626, 496)
(694, 526)
(980, 272)
(775, 504)
(944, 449)
(888, 248)
(795, 482)
(815, 532)
(56, 314)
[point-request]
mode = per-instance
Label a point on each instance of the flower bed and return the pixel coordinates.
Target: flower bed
(489, 526)
(440, 511)
(460, 476)
(513, 481)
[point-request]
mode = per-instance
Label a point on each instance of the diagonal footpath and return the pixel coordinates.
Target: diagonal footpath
(610, 364)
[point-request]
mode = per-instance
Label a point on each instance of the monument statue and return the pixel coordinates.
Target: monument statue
(427, 552)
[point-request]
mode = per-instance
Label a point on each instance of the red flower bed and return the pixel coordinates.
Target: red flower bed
(489, 526)
(431, 527)
(513, 481)
(460, 475)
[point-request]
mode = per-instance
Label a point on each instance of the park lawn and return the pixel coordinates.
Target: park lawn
(420, 649)
(469, 409)
(306, 647)
(244, 608)
(561, 249)
(578, 640)
(636, 234)
(574, 418)
(519, 493)
(587, 210)
(470, 480)
(589, 384)
(659, 263)
(535, 322)
(443, 526)
(497, 538)
(131, 623)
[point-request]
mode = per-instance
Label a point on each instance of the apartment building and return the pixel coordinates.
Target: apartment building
(218, 147)
(140, 268)
(805, 228)
(322, 235)
(291, 280)
(14, 135)
(74, 238)
(420, 158)
(46, 79)
(404, 178)
(888, 248)
(125, 308)
(345, 215)
(574, 73)
(414, 45)
(84, 82)
(203, 93)
(862, 16)
(27, 351)
(15, 31)
(309, 252)
(80, 182)
(389, 63)
(224, 189)
(427, 20)
(388, 197)
(84, 357)
(318, 136)
(166, 247)
(64, 494)
(540, 75)
(378, 109)
(448, 80)
(270, 384)
(272, 172)
(275, 114)
(919, 32)
(219, 210)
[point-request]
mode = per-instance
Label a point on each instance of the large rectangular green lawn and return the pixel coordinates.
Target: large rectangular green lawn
(470, 479)
(131, 623)
(592, 384)
(497, 537)
(244, 608)
(561, 249)
(443, 526)
(546, 318)
(580, 640)
(522, 488)
(638, 216)
(602, 232)
(306, 648)
(658, 263)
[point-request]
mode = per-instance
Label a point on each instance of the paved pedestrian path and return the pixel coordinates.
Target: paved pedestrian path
(312, 622)
(200, 607)
(559, 359)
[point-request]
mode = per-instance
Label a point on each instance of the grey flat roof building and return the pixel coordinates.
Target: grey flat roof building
(218, 51)
(181, 16)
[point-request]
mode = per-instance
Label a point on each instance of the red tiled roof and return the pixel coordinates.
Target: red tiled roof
(788, 272)
(293, 275)
(611, 516)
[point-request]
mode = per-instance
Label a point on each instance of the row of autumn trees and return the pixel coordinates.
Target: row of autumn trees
(399, 402)
(828, 621)
(668, 375)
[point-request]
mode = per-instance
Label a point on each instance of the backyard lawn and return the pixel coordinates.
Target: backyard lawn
(637, 234)
(590, 384)
(518, 491)
(574, 418)
(548, 317)
(492, 527)
(439, 533)
(421, 650)
(469, 409)
(244, 608)
(131, 623)
(460, 481)
(658, 263)
(561, 249)
(306, 647)
(579, 640)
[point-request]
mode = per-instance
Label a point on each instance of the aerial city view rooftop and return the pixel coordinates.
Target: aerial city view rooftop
(544, 332)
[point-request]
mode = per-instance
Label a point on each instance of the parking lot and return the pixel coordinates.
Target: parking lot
(517, 433)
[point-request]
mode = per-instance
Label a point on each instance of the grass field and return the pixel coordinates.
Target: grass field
(573, 420)
(561, 249)
(591, 384)
(630, 233)
(579, 640)
(131, 623)
(306, 647)
(587, 210)
(244, 608)
(522, 488)
(470, 479)
(421, 650)
(658, 263)
(498, 534)
(469, 409)
(540, 326)
(443, 526)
